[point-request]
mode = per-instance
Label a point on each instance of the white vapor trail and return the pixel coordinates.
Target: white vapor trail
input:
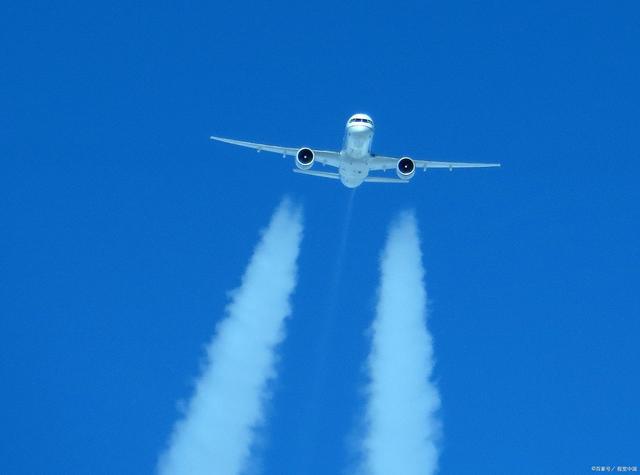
(402, 427)
(216, 433)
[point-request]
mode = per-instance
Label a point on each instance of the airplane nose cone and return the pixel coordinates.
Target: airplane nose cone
(358, 129)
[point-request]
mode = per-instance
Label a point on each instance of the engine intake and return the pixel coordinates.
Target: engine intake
(304, 158)
(405, 168)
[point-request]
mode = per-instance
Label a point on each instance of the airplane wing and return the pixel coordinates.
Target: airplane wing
(380, 162)
(321, 156)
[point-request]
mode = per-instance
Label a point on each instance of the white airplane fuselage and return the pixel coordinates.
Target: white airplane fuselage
(356, 150)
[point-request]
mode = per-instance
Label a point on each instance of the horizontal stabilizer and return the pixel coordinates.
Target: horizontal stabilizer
(382, 179)
(335, 176)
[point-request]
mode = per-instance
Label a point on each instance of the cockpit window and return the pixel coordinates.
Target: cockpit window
(358, 119)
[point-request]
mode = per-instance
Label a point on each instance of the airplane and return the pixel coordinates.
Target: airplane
(355, 160)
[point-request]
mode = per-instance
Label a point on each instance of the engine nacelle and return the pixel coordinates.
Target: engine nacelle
(405, 168)
(304, 158)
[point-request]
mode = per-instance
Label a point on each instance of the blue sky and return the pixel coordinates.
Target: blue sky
(124, 226)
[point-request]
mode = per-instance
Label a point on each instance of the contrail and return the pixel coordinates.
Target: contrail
(216, 433)
(306, 449)
(402, 427)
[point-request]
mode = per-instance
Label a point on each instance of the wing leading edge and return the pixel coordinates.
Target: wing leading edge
(379, 162)
(325, 157)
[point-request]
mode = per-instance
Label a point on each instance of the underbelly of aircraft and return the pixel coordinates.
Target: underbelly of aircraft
(353, 171)
(355, 153)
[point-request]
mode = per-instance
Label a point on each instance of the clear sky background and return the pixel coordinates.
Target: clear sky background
(123, 226)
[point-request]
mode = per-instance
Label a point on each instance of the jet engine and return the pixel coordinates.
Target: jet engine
(304, 158)
(405, 168)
